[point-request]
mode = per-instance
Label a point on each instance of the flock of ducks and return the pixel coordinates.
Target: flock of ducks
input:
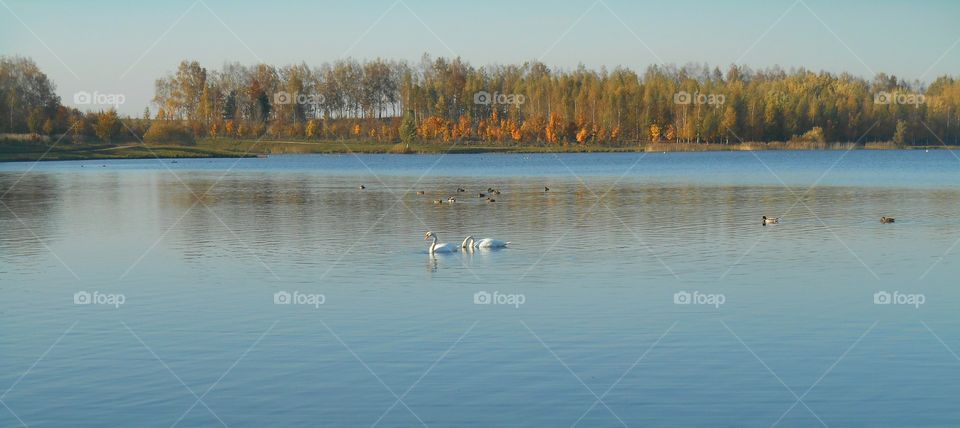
(488, 196)
(774, 220)
(470, 243)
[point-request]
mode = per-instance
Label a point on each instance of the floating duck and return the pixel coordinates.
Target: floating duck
(770, 220)
(885, 220)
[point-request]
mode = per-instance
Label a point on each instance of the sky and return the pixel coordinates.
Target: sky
(121, 47)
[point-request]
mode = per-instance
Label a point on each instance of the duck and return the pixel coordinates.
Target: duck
(481, 195)
(421, 192)
(451, 200)
(362, 187)
(489, 189)
(546, 189)
(439, 248)
(885, 220)
(438, 201)
(461, 189)
(496, 192)
(770, 220)
(491, 200)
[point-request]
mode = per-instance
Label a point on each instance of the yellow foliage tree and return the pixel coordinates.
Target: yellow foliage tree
(554, 128)
(655, 133)
(481, 128)
(531, 129)
(494, 128)
(582, 135)
(600, 134)
(515, 131)
(463, 126)
(312, 128)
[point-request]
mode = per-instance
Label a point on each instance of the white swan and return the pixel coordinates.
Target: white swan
(470, 242)
(490, 243)
(439, 248)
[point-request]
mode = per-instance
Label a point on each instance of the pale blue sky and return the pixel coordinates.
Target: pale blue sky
(114, 46)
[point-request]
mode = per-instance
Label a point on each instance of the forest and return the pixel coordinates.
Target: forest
(444, 100)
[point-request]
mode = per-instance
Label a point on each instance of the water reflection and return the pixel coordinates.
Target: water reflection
(303, 225)
(31, 218)
(201, 254)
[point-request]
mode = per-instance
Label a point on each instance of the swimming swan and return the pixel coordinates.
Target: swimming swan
(439, 248)
(470, 242)
(490, 243)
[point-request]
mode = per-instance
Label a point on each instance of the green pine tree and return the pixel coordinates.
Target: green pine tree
(408, 128)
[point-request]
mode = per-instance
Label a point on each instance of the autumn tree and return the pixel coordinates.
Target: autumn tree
(108, 125)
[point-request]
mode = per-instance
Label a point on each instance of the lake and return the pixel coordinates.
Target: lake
(640, 290)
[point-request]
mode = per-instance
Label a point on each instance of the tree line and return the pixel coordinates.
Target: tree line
(447, 99)
(29, 105)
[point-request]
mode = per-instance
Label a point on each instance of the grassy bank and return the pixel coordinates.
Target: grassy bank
(222, 147)
(31, 151)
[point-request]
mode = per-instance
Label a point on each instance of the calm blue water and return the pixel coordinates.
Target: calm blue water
(589, 323)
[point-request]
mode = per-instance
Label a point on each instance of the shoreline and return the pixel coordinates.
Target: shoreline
(18, 151)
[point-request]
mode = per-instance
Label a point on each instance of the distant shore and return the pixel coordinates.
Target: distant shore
(230, 148)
